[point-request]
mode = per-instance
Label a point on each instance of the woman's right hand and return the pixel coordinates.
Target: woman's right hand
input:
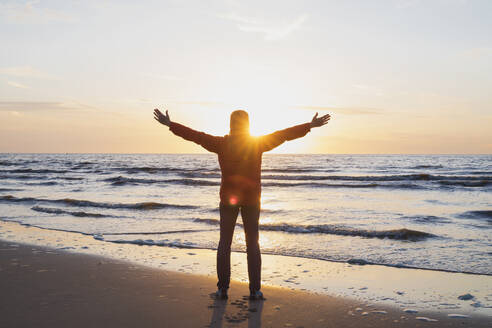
(161, 118)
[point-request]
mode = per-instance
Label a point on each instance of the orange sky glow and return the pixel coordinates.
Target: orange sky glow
(84, 77)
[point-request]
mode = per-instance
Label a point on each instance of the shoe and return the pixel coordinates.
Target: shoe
(256, 295)
(221, 294)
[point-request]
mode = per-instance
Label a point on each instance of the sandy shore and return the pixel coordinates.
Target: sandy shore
(44, 287)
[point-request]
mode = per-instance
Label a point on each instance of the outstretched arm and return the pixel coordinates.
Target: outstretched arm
(209, 142)
(277, 138)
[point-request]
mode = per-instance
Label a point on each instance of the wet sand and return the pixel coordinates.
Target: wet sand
(45, 287)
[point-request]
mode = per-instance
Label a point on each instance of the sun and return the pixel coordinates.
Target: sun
(268, 119)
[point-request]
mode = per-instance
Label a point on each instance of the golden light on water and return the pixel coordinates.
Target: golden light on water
(266, 220)
(264, 241)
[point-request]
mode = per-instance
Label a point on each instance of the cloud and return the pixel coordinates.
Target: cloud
(29, 12)
(164, 77)
(271, 32)
(402, 4)
(17, 85)
(20, 106)
(477, 53)
(364, 89)
(239, 19)
(201, 103)
(345, 110)
(38, 106)
(24, 71)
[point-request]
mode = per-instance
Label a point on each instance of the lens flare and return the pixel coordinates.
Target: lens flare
(233, 200)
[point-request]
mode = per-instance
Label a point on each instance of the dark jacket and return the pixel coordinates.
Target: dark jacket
(240, 159)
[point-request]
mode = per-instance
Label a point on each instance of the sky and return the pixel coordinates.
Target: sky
(397, 76)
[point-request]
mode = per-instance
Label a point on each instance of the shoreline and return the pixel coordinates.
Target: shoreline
(350, 262)
(50, 287)
(398, 288)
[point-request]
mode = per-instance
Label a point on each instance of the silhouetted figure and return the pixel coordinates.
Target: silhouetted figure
(240, 162)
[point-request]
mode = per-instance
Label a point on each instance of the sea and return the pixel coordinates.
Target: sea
(417, 211)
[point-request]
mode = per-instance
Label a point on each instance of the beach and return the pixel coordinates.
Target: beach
(45, 287)
(93, 283)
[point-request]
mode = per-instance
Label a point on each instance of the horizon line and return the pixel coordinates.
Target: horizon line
(116, 153)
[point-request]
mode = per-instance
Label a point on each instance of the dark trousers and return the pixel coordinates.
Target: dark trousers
(228, 216)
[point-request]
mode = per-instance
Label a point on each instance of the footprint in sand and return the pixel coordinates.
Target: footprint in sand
(426, 319)
(458, 316)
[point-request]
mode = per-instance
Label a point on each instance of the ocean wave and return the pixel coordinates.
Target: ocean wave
(10, 189)
(210, 221)
(427, 219)
(144, 169)
(70, 178)
(52, 210)
(206, 175)
(18, 162)
(296, 170)
(22, 177)
(192, 182)
(80, 166)
(478, 214)
(481, 183)
(36, 177)
(316, 184)
(120, 181)
(185, 171)
(47, 183)
(41, 171)
(445, 179)
(87, 203)
(151, 242)
(83, 163)
(5, 163)
(159, 170)
(154, 232)
(313, 181)
(398, 234)
(343, 185)
(480, 172)
(427, 167)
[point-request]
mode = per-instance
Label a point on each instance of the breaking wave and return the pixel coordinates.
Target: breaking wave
(120, 180)
(41, 171)
(479, 214)
(478, 183)
(398, 234)
(342, 185)
(151, 242)
(52, 210)
(35, 177)
(395, 177)
(427, 219)
(427, 167)
(88, 203)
